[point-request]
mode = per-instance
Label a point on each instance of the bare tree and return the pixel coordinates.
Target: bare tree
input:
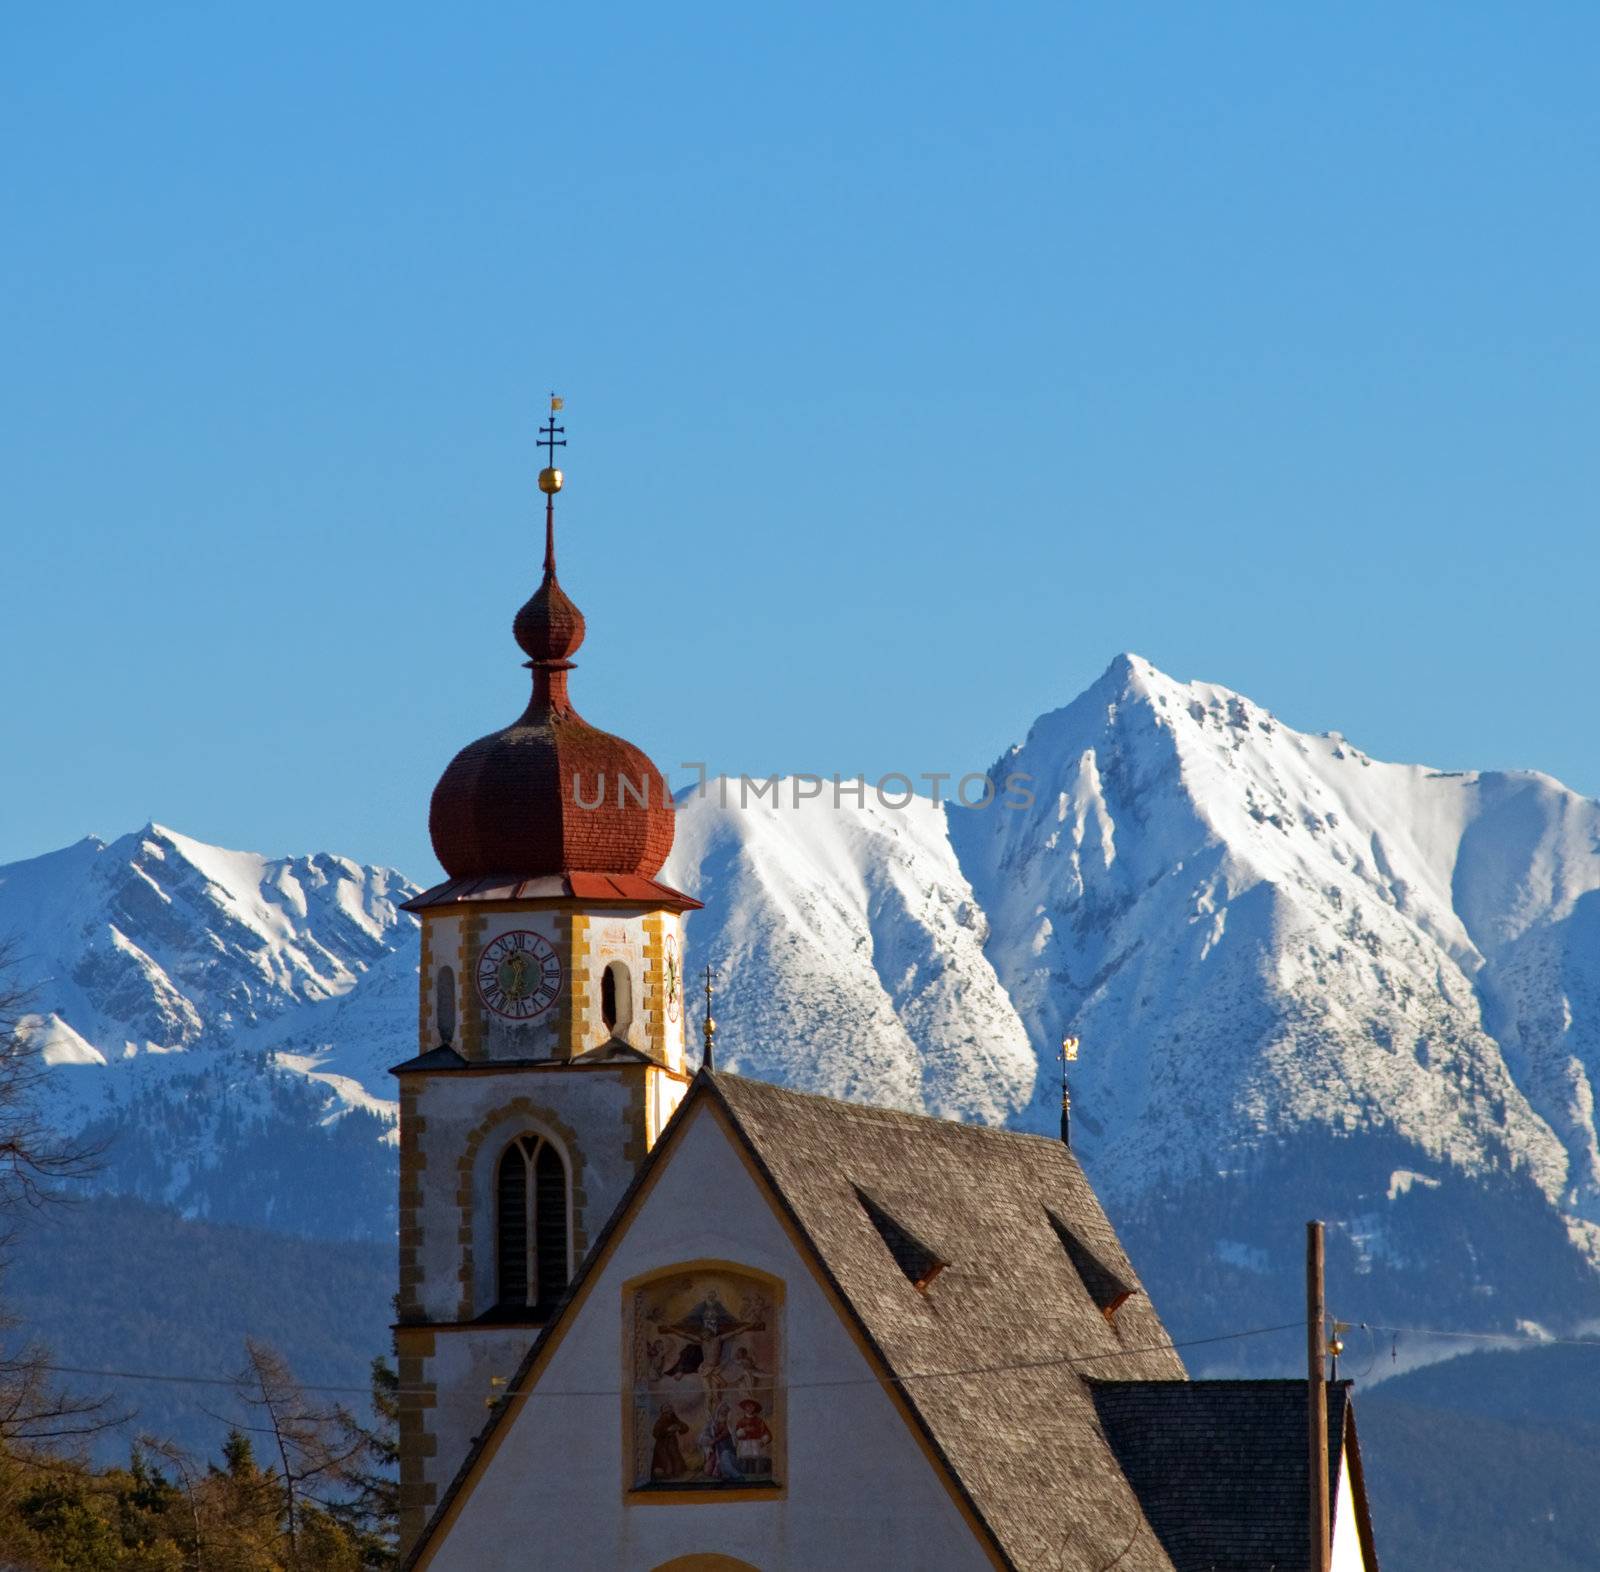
(316, 1447)
(33, 1157)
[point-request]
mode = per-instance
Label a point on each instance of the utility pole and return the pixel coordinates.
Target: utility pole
(1317, 1399)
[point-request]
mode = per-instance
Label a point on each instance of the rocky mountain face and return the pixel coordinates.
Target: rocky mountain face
(1307, 983)
(218, 1024)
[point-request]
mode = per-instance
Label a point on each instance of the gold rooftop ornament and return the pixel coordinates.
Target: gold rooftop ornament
(1068, 1055)
(551, 437)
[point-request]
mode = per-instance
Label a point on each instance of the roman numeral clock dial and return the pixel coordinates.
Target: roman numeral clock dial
(519, 975)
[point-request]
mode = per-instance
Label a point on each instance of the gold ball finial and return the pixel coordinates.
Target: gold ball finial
(550, 480)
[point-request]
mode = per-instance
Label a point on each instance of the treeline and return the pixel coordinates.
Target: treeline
(300, 1486)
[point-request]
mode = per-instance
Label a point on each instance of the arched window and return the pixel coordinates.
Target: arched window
(616, 999)
(531, 1226)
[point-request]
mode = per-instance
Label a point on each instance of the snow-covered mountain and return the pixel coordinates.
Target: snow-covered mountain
(1255, 930)
(214, 1019)
(1307, 983)
(850, 949)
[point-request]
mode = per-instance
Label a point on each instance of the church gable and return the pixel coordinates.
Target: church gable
(702, 1395)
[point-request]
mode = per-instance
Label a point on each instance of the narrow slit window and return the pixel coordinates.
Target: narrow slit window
(616, 999)
(445, 993)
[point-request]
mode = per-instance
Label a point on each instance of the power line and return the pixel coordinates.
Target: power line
(1535, 1338)
(957, 1372)
(1052, 1362)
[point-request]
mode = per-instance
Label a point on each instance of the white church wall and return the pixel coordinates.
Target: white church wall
(1347, 1555)
(858, 1490)
(463, 1369)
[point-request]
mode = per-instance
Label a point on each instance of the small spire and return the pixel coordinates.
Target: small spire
(708, 1056)
(549, 627)
(551, 437)
(1068, 1055)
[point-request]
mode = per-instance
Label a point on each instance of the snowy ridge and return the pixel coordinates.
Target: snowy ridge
(851, 952)
(190, 998)
(1298, 933)
(1307, 983)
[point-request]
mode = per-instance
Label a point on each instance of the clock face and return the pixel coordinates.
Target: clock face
(519, 975)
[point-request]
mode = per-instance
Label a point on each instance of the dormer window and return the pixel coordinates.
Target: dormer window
(1104, 1286)
(918, 1261)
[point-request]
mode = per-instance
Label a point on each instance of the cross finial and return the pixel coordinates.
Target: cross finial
(707, 1057)
(551, 437)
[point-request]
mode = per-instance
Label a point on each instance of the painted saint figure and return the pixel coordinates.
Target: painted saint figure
(716, 1442)
(705, 1356)
(754, 1441)
(666, 1461)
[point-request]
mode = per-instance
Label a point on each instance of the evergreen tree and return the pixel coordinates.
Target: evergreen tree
(371, 1508)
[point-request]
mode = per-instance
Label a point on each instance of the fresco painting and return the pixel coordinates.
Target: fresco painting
(704, 1347)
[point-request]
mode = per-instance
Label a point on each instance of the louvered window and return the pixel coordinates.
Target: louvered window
(531, 1226)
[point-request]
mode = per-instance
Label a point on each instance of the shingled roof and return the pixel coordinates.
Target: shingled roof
(991, 1355)
(1046, 1412)
(1220, 1467)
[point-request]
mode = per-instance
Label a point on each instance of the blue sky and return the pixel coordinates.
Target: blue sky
(917, 360)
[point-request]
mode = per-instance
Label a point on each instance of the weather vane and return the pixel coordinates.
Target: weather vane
(1068, 1055)
(710, 1028)
(551, 437)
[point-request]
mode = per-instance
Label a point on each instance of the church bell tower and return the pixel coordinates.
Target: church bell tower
(551, 1046)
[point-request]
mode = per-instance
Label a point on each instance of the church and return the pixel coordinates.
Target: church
(656, 1317)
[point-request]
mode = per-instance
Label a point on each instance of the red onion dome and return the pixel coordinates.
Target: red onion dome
(550, 794)
(550, 627)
